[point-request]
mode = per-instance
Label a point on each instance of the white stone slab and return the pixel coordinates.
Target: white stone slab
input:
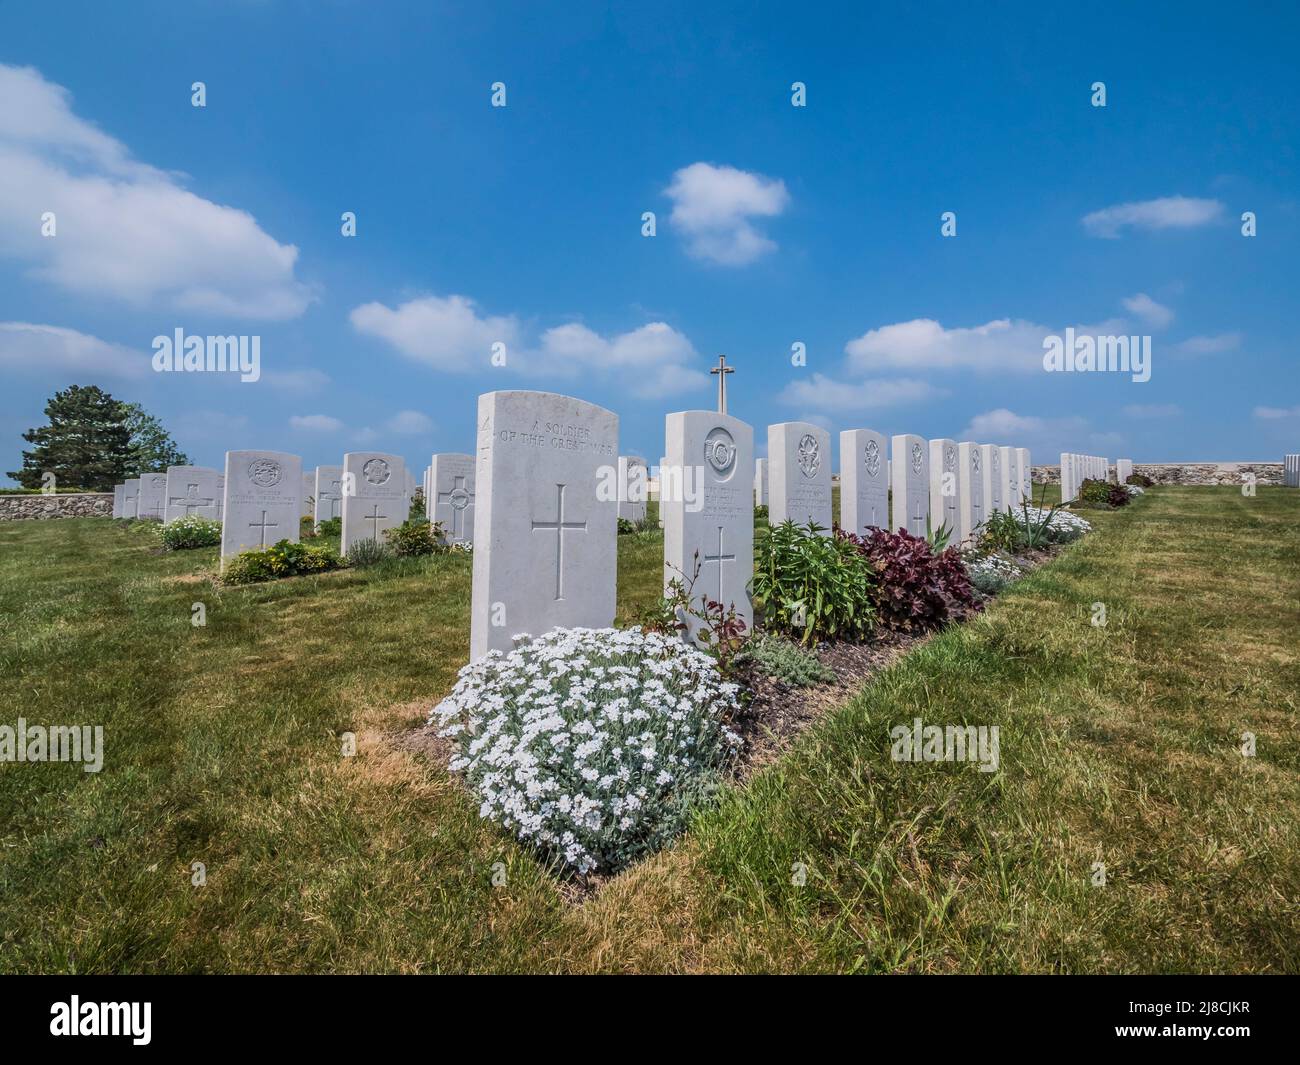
(131, 498)
(191, 490)
(718, 530)
(1067, 477)
(991, 469)
(864, 481)
(760, 483)
(1008, 482)
(1026, 471)
(221, 496)
(970, 491)
(909, 466)
(799, 474)
(546, 521)
(308, 493)
(328, 494)
(151, 496)
(1123, 470)
(1291, 471)
(633, 481)
(374, 496)
(943, 484)
(119, 494)
(452, 496)
(260, 501)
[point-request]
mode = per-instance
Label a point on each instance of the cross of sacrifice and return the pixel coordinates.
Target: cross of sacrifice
(721, 371)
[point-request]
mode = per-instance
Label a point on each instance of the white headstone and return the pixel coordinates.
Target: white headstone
(131, 498)
(799, 474)
(991, 468)
(328, 493)
(1008, 482)
(308, 493)
(760, 483)
(221, 496)
(191, 490)
(261, 503)
(717, 531)
(452, 492)
(119, 494)
(546, 517)
(374, 498)
(1291, 471)
(970, 491)
(943, 484)
(1123, 470)
(151, 496)
(864, 481)
(1026, 474)
(1067, 476)
(910, 476)
(633, 481)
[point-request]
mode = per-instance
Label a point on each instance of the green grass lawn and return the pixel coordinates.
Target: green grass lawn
(1119, 745)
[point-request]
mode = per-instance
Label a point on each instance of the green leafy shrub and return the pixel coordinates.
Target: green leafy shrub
(1140, 479)
(282, 559)
(760, 513)
(1097, 493)
(785, 661)
(189, 531)
(811, 587)
(368, 552)
(916, 588)
(414, 538)
(417, 511)
(330, 527)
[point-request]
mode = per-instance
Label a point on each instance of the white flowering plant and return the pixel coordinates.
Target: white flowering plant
(990, 573)
(594, 745)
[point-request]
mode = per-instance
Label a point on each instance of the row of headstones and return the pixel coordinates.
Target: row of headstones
(1291, 471)
(1075, 469)
(550, 482)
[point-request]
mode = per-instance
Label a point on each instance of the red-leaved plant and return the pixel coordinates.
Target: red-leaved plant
(918, 589)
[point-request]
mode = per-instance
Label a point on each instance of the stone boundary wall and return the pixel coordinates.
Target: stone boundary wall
(1186, 472)
(78, 505)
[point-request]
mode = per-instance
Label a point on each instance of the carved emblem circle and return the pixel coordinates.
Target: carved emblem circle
(918, 458)
(810, 455)
(720, 452)
(873, 458)
(376, 471)
(950, 458)
(975, 460)
(264, 473)
(459, 499)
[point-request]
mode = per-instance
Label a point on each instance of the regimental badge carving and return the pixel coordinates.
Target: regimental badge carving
(376, 472)
(720, 452)
(950, 459)
(810, 455)
(458, 498)
(975, 460)
(873, 458)
(997, 459)
(264, 473)
(918, 458)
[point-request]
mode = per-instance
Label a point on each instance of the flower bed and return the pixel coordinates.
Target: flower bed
(592, 744)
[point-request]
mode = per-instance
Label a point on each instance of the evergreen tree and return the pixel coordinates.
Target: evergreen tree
(87, 443)
(152, 447)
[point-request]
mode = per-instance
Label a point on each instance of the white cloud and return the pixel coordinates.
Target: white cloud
(1142, 411)
(823, 393)
(1154, 314)
(1209, 345)
(713, 206)
(1168, 212)
(1045, 438)
(1275, 413)
(1003, 344)
(449, 334)
(410, 423)
(126, 230)
(315, 423)
(44, 348)
(445, 333)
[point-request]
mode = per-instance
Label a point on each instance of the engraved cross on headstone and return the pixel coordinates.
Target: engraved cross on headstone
(561, 527)
(458, 491)
(190, 500)
(721, 371)
(374, 517)
(263, 526)
(719, 558)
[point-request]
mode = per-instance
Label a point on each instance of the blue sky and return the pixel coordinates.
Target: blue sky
(776, 224)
